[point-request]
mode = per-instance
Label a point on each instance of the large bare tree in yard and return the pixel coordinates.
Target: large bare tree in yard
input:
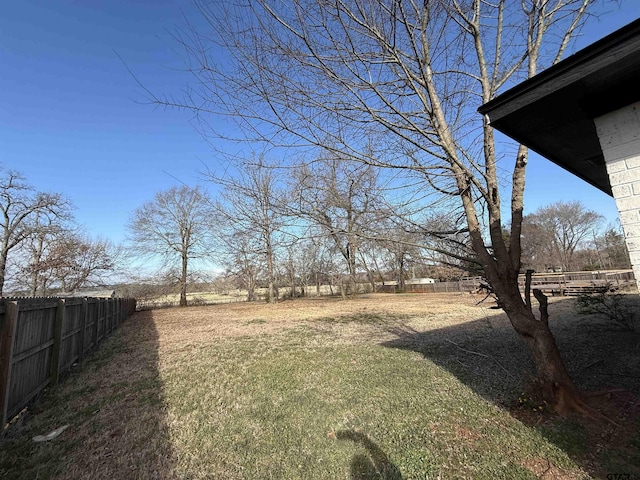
(34, 265)
(344, 199)
(174, 227)
(22, 214)
(252, 207)
(411, 75)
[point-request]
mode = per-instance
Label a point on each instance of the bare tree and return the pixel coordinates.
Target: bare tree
(252, 201)
(241, 257)
(400, 253)
(301, 264)
(33, 266)
(345, 200)
(21, 211)
(314, 260)
(557, 230)
(367, 259)
(174, 227)
(433, 243)
(538, 252)
(55, 256)
(74, 261)
(336, 74)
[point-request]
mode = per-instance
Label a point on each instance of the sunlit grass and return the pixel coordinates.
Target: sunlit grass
(275, 409)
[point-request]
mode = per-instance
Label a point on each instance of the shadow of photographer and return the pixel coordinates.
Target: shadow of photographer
(375, 465)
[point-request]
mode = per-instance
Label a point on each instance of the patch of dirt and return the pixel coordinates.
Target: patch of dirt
(617, 431)
(546, 470)
(467, 436)
(614, 432)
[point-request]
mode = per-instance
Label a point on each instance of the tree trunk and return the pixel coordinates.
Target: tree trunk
(36, 262)
(501, 267)
(271, 294)
(553, 380)
(401, 282)
(183, 282)
(33, 289)
(4, 253)
(370, 275)
(251, 289)
(292, 278)
(352, 287)
(35, 269)
(294, 292)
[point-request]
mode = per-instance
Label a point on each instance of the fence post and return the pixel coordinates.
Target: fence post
(7, 331)
(57, 342)
(96, 315)
(101, 318)
(109, 317)
(83, 326)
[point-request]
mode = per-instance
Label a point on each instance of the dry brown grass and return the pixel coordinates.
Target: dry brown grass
(204, 324)
(128, 419)
(117, 437)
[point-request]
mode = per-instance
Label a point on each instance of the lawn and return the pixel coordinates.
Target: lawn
(377, 387)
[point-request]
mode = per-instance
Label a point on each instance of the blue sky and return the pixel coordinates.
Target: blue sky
(73, 120)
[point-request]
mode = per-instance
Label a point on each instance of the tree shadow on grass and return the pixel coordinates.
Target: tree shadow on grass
(489, 357)
(375, 465)
(114, 408)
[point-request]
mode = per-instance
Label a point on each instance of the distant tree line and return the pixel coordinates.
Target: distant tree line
(273, 228)
(286, 230)
(324, 222)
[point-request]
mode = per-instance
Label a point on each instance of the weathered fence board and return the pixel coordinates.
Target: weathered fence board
(40, 338)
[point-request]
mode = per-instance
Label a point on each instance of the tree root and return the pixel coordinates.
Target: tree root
(602, 393)
(567, 400)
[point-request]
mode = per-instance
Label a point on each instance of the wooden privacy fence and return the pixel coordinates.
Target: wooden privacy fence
(40, 338)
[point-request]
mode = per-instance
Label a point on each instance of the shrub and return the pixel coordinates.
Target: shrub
(615, 308)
